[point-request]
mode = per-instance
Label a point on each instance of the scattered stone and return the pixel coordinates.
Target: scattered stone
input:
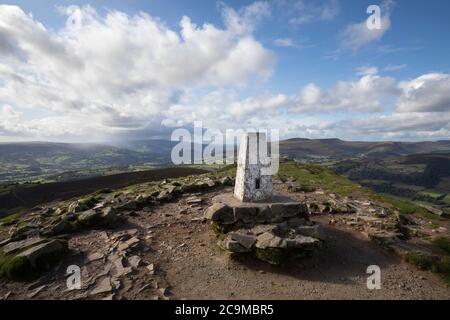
(151, 268)
(95, 257)
(78, 206)
(89, 217)
(60, 227)
(164, 195)
(36, 292)
(6, 296)
(226, 181)
(52, 248)
(69, 216)
(134, 262)
(129, 205)
(194, 201)
(103, 287)
(121, 270)
(21, 245)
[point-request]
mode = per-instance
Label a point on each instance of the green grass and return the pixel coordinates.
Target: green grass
(318, 177)
(403, 206)
(9, 218)
(431, 194)
(439, 265)
(436, 264)
(442, 243)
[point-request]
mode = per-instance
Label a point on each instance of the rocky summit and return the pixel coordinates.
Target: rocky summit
(189, 238)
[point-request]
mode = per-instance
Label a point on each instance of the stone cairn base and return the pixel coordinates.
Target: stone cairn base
(271, 230)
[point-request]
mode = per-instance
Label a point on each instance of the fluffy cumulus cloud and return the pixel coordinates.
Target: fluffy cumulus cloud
(357, 35)
(121, 71)
(427, 93)
(116, 76)
(364, 94)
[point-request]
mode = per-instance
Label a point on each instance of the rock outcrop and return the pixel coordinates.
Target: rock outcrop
(269, 230)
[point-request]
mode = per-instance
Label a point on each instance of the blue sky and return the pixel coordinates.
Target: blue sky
(308, 68)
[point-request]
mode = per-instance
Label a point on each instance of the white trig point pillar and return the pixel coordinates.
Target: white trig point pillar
(253, 175)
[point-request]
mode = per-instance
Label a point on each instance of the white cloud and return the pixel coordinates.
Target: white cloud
(121, 71)
(427, 93)
(284, 42)
(262, 104)
(355, 36)
(247, 18)
(365, 94)
(395, 67)
(290, 43)
(362, 95)
(397, 125)
(309, 11)
(366, 70)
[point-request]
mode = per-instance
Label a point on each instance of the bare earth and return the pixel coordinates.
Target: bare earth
(189, 265)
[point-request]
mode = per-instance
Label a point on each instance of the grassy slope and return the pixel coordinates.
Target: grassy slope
(317, 176)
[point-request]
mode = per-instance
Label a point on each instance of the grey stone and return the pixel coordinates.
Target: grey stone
(405, 219)
(296, 222)
(134, 261)
(245, 214)
(129, 205)
(268, 240)
(95, 257)
(194, 201)
(61, 227)
(151, 268)
(51, 248)
(109, 215)
(244, 239)
(121, 270)
(88, 217)
(232, 245)
(103, 287)
(164, 195)
(287, 210)
(263, 215)
(21, 245)
(226, 181)
(36, 292)
(77, 206)
(220, 212)
(133, 242)
(300, 241)
(69, 216)
(262, 228)
(314, 231)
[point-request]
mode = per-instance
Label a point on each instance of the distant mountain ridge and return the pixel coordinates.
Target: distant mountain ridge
(339, 149)
(53, 161)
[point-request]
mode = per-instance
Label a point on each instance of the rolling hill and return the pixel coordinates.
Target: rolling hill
(50, 162)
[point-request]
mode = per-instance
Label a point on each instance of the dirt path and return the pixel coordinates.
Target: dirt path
(338, 272)
(189, 265)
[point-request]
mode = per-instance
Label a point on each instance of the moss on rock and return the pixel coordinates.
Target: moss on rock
(273, 256)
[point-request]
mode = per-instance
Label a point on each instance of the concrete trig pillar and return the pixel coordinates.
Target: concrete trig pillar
(253, 175)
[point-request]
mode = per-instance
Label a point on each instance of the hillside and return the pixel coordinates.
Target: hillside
(51, 162)
(338, 149)
(424, 178)
(152, 241)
